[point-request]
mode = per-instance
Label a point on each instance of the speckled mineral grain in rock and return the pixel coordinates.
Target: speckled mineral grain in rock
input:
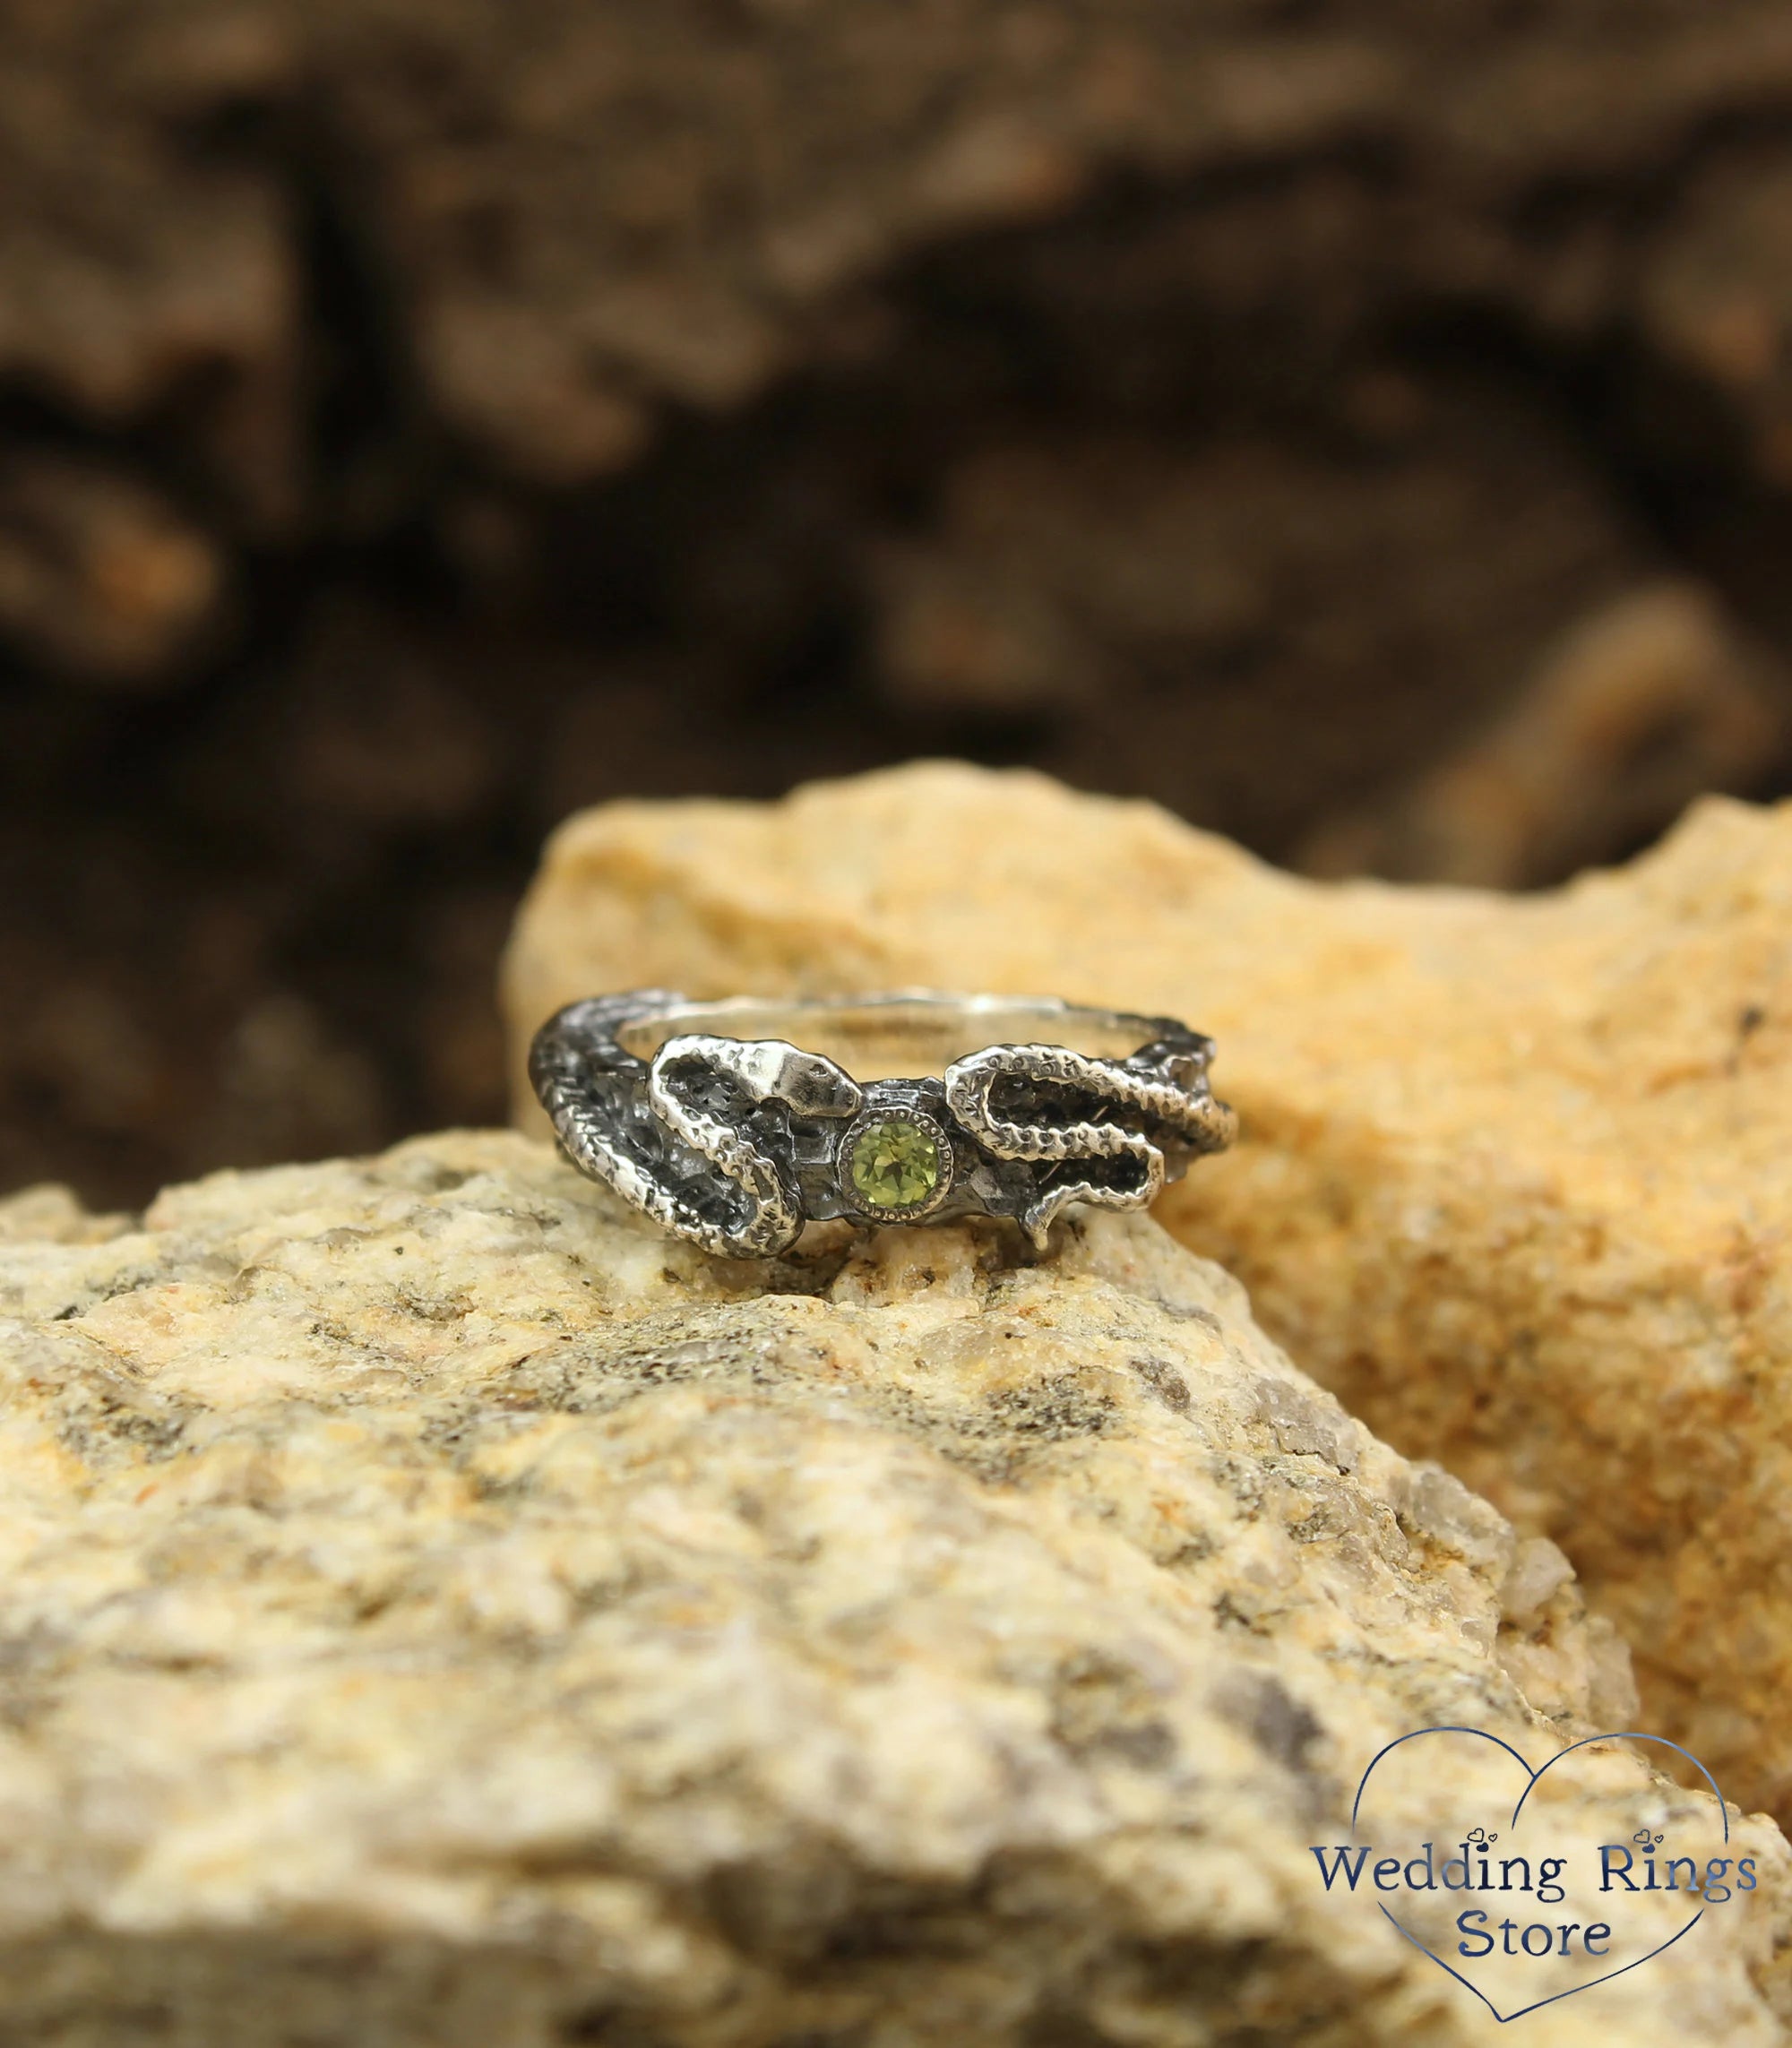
(436, 1609)
(1517, 1173)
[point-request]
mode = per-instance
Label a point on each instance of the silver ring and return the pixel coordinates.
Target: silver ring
(713, 1120)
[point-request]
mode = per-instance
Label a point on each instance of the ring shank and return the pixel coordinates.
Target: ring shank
(909, 1033)
(734, 1124)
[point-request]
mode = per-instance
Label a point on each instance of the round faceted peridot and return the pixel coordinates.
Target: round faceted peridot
(895, 1164)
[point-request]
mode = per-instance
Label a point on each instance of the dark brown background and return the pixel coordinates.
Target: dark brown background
(1365, 427)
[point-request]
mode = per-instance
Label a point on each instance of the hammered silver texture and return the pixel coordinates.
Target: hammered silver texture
(1056, 1073)
(736, 1141)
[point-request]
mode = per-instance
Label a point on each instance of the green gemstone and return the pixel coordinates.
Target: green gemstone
(895, 1164)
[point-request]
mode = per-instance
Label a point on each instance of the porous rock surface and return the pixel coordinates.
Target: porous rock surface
(1516, 1177)
(437, 1608)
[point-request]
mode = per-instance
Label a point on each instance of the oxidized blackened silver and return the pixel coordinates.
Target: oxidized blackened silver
(710, 1120)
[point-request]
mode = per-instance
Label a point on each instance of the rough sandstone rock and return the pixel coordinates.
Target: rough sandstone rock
(437, 1608)
(1517, 1174)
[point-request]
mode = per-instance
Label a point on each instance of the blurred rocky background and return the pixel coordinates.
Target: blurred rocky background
(1363, 426)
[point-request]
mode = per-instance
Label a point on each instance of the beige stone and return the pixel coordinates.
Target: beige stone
(437, 1609)
(52, 1213)
(1517, 1173)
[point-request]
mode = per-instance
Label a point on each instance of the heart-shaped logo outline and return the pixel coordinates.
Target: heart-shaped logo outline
(1621, 1735)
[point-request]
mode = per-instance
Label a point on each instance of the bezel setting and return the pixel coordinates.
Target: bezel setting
(709, 1119)
(873, 1116)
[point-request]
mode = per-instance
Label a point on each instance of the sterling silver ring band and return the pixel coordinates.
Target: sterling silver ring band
(734, 1124)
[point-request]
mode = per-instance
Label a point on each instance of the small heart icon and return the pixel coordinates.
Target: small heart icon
(1560, 1897)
